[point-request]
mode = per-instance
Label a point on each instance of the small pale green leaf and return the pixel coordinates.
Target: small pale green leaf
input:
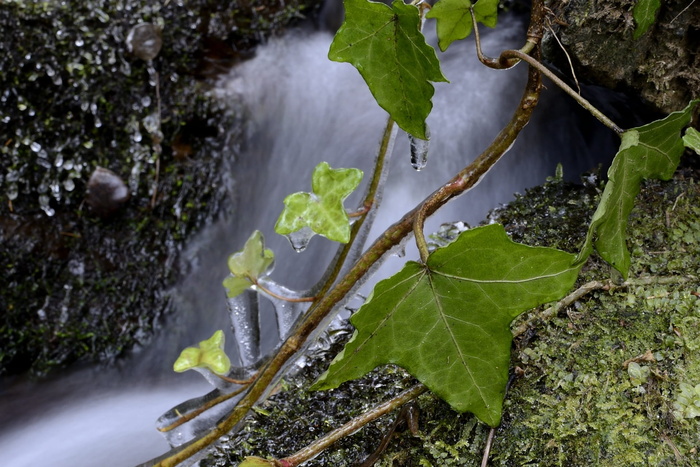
(447, 322)
(248, 265)
(649, 151)
(454, 21)
(253, 461)
(322, 210)
(386, 46)
(692, 139)
(644, 15)
(209, 354)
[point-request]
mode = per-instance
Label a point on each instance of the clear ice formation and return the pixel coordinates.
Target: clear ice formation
(301, 238)
(185, 422)
(419, 150)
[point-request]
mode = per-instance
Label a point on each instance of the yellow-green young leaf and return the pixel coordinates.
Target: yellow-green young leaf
(322, 210)
(649, 151)
(454, 20)
(644, 15)
(253, 461)
(209, 354)
(447, 322)
(249, 264)
(386, 46)
(692, 139)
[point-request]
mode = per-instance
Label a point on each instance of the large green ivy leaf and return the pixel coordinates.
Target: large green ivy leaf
(644, 15)
(386, 46)
(209, 354)
(649, 151)
(447, 322)
(248, 265)
(323, 209)
(454, 20)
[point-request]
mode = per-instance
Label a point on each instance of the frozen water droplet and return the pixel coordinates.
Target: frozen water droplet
(144, 41)
(59, 160)
(399, 252)
(36, 147)
(419, 150)
(151, 123)
(12, 191)
(44, 205)
(68, 184)
(79, 42)
(301, 238)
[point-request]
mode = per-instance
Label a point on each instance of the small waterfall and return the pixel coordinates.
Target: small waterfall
(302, 109)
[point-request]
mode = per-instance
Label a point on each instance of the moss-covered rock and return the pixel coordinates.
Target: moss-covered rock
(609, 380)
(77, 284)
(661, 66)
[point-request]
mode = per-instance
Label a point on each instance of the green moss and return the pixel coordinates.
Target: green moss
(597, 385)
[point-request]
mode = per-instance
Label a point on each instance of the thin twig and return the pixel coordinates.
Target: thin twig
(201, 409)
(352, 426)
(282, 297)
(589, 287)
(568, 57)
(487, 449)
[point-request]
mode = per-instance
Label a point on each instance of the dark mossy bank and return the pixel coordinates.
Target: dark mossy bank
(613, 379)
(83, 278)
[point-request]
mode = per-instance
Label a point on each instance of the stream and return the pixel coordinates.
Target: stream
(302, 109)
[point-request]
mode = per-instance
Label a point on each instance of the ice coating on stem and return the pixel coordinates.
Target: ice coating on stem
(419, 150)
(287, 312)
(243, 310)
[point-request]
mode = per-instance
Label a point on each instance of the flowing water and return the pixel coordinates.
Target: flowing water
(302, 109)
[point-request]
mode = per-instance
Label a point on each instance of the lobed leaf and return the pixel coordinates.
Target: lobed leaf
(454, 19)
(447, 322)
(209, 354)
(322, 210)
(649, 151)
(386, 46)
(644, 14)
(248, 265)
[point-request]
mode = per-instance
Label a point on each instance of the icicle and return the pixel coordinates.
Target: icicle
(301, 238)
(419, 150)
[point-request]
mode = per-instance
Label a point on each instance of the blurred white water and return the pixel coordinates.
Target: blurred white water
(302, 109)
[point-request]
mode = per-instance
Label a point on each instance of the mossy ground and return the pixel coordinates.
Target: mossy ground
(598, 384)
(72, 97)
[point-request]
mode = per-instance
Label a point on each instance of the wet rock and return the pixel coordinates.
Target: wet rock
(106, 192)
(144, 41)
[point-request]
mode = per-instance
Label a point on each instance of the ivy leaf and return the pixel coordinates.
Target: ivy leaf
(692, 139)
(323, 209)
(649, 151)
(447, 322)
(645, 15)
(386, 46)
(248, 265)
(210, 354)
(454, 20)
